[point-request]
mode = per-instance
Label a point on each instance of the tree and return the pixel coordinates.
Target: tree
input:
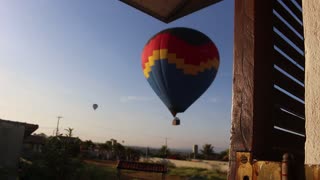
(72, 145)
(129, 153)
(118, 150)
(41, 135)
(69, 132)
(132, 154)
(106, 146)
(224, 155)
(109, 143)
(56, 162)
(207, 151)
(106, 149)
(87, 145)
(164, 151)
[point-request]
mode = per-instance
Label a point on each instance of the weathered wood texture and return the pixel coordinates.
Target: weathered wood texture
(268, 82)
(312, 172)
(252, 80)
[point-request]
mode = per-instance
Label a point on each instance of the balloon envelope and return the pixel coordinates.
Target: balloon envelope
(180, 64)
(95, 106)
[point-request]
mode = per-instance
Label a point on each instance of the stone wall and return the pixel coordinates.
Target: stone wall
(311, 17)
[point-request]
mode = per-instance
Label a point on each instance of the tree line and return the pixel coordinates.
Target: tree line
(206, 153)
(61, 157)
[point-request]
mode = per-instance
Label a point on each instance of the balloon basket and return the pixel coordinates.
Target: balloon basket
(176, 122)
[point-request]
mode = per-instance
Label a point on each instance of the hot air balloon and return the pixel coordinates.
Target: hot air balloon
(95, 106)
(176, 121)
(180, 64)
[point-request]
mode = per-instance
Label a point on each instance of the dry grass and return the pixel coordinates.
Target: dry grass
(107, 170)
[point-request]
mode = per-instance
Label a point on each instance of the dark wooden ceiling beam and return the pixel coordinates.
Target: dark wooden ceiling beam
(178, 8)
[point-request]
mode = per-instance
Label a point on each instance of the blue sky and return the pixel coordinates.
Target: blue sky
(59, 57)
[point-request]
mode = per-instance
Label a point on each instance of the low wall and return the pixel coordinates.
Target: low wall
(221, 166)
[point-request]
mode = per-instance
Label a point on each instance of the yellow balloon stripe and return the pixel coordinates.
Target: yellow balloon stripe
(189, 69)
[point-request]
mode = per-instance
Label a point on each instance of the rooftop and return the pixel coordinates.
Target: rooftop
(29, 128)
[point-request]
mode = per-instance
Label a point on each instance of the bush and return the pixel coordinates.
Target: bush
(56, 162)
(197, 173)
(92, 172)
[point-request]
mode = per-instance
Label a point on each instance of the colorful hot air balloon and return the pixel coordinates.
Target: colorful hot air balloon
(95, 106)
(180, 64)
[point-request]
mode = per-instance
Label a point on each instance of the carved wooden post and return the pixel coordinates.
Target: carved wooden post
(252, 81)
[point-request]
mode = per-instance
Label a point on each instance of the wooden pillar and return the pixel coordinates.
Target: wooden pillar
(252, 81)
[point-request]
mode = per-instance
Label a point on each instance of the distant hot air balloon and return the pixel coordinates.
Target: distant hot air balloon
(95, 106)
(180, 64)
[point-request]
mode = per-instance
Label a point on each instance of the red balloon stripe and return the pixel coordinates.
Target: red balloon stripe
(190, 53)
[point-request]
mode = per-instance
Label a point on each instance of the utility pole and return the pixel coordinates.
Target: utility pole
(147, 152)
(166, 142)
(57, 131)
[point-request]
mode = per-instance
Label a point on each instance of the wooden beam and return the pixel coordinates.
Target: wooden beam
(252, 80)
(168, 11)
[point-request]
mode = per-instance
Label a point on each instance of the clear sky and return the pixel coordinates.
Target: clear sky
(58, 57)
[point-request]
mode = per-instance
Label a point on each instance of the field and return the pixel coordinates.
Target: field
(107, 170)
